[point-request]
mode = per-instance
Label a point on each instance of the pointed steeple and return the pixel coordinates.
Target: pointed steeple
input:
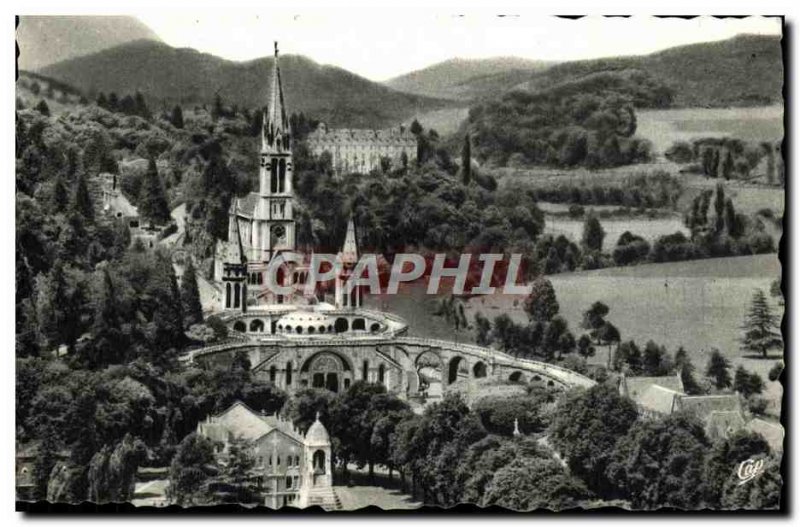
(236, 251)
(349, 253)
(276, 133)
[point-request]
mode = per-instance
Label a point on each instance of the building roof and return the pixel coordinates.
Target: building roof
(634, 387)
(317, 434)
(386, 137)
(239, 420)
(246, 206)
(704, 405)
(721, 424)
(657, 399)
(772, 432)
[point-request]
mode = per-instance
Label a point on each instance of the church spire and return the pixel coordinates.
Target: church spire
(349, 254)
(276, 133)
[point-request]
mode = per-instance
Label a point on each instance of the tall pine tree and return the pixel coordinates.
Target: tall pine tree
(153, 204)
(760, 325)
(81, 199)
(466, 161)
(190, 296)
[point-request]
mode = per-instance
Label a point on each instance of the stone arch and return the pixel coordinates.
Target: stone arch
(257, 326)
(536, 379)
(240, 326)
(374, 327)
(381, 374)
(318, 462)
(413, 381)
(273, 373)
(341, 325)
(479, 370)
(516, 376)
(289, 373)
(359, 324)
(453, 367)
(327, 369)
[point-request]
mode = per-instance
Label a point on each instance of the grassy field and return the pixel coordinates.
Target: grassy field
(699, 305)
(664, 127)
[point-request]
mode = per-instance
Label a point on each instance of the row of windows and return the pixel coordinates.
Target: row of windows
(291, 461)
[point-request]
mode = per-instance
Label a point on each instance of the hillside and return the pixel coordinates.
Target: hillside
(45, 40)
(454, 78)
(743, 71)
(746, 70)
(168, 75)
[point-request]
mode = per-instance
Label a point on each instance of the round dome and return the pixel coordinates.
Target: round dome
(305, 323)
(317, 434)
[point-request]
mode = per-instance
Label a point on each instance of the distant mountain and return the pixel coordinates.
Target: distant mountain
(45, 40)
(746, 70)
(168, 75)
(452, 78)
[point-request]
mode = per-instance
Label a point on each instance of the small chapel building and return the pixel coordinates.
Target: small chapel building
(291, 468)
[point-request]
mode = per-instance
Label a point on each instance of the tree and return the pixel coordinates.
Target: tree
(176, 118)
(628, 357)
(659, 463)
(190, 471)
(594, 319)
(557, 338)
(586, 425)
(719, 208)
(760, 325)
(686, 370)
(416, 128)
(593, 234)
(655, 360)
(42, 108)
(727, 165)
(717, 370)
(747, 383)
(541, 304)
(153, 199)
(723, 461)
(81, 199)
(585, 348)
(110, 343)
(190, 296)
(46, 458)
(466, 161)
(483, 328)
(237, 470)
(533, 483)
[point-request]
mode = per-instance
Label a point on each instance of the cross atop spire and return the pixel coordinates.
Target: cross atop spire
(276, 49)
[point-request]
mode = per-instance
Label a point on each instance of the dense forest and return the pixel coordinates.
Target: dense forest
(589, 123)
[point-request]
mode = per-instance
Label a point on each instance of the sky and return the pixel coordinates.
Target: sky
(381, 47)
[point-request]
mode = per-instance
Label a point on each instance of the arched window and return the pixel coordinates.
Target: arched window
(364, 370)
(237, 296)
(319, 462)
(381, 373)
(228, 294)
(273, 373)
(359, 324)
(288, 373)
(273, 180)
(257, 326)
(282, 176)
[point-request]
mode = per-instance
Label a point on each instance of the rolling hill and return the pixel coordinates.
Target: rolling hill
(45, 40)
(746, 70)
(168, 75)
(458, 79)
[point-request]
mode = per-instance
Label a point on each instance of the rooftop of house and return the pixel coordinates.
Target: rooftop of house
(239, 420)
(634, 386)
(772, 432)
(704, 405)
(657, 399)
(388, 136)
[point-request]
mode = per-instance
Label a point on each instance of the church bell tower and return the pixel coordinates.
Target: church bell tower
(274, 227)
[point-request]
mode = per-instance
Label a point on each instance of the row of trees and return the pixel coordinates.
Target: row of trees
(729, 158)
